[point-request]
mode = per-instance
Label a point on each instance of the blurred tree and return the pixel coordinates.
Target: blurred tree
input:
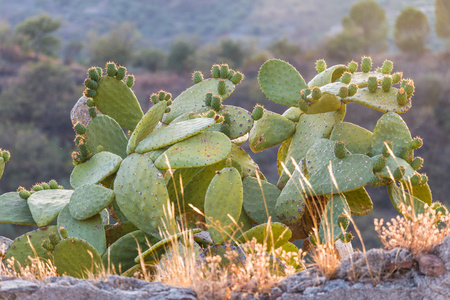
(37, 34)
(347, 45)
(151, 58)
(442, 25)
(43, 94)
(411, 30)
(371, 18)
(71, 51)
(181, 54)
(284, 49)
(117, 45)
(231, 51)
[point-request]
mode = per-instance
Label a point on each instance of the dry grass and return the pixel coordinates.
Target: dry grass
(417, 233)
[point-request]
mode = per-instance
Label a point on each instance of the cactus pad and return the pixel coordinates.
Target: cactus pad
(398, 196)
(105, 131)
(202, 149)
(90, 230)
(329, 226)
(281, 82)
(20, 248)
(356, 138)
(95, 170)
(193, 98)
(359, 202)
(146, 125)
(141, 192)
(390, 127)
(328, 76)
(379, 100)
(248, 165)
(88, 200)
(241, 120)
(270, 130)
(257, 197)
(77, 258)
(45, 205)
(272, 235)
(224, 198)
(15, 210)
(115, 99)
(173, 133)
(121, 254)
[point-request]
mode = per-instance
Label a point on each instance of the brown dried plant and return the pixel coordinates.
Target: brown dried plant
(418, 233)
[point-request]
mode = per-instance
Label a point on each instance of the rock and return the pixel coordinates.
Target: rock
(113, 287)
(431, 265)
(80, 112)
(4, 245)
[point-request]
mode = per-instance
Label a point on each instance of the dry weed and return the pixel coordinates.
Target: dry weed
(417, 233)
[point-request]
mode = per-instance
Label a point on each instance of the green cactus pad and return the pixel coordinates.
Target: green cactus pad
(90, 230)
(45, 205)
(308, 130)
(105, 131)
(146, 125)
(195, 190)
(141, 192)
(244, 222)
(115, 99)
(350, 173)
(272, 129)
(392, 164)
(240, 140)
(165, 243)
(380, 100)
(15, 210)
(224, 198)
(398, 196)
(390, 127)
(248, 166)
(20, 248)
(273, 235)
(173, 133)
(282, 154)
(356, 138)
(121, 254)
(326, 103)
(202, 149)
(255, 203)
(118, 230)
(423, 192)
(359, 202)
(361, 78)
(95, 170)
(293, 114)
(184, 176)
(281, 82)
(77, 258)
(193, 98)
(328, 76)
(241, 120)
(88, 200)
(329, 226)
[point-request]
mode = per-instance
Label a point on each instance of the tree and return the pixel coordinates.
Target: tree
(231, 51)
(284, 49)
(371, 18)
(411, 30)
(180, 55)
(118, 45)
(442, 25)
(37, 32)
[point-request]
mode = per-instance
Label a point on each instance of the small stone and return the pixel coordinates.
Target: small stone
(431, 265)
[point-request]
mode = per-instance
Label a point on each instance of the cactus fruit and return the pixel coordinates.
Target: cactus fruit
(366, 64)
(372, 84)
(215, 71)
(111, 69)
(416, 143)
(352, 66)
(399, 172)
(397, 77)
(387, 67)
(47, 245)
(121, 72)
(197, 77)
(316, 93)
(339, 150)
(402, 97)
(417, 163)
(346, 77)
(352, 89)
(379, 162)
(93, 74)
(221, 87)
(321, 65)
(409, 88)
(91, 84)
(129, 81)
(343, 92)
(237, 78)
(258, 112)
(216, 103)
(386, 83)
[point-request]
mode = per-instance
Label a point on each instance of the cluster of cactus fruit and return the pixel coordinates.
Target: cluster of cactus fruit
(130, 166)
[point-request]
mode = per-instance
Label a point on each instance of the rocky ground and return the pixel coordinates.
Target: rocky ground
(393, 274)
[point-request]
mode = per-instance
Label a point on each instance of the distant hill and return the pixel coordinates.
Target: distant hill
(160, 21)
